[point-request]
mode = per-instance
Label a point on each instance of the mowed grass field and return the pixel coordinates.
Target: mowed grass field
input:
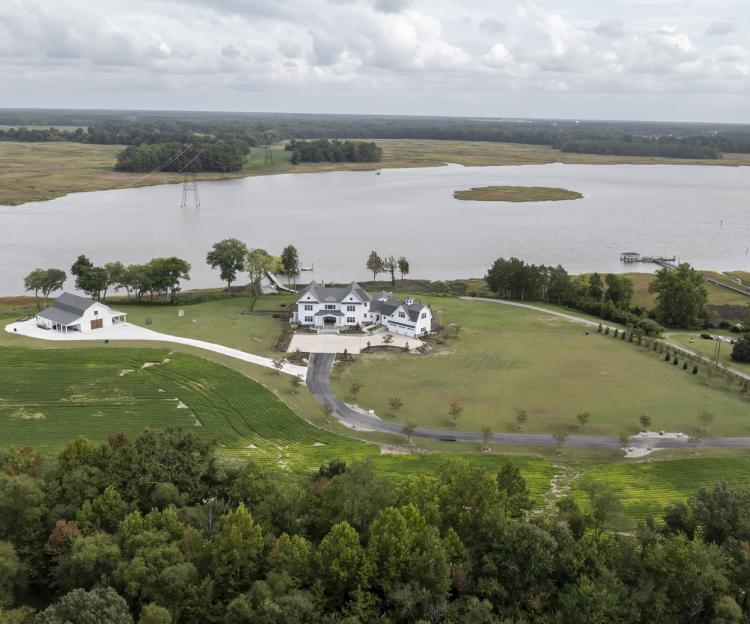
(49, 396)
(507, 358)
(221, 321)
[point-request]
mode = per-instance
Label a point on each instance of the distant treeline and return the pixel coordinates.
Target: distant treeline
(617, 138)
(324, 150)
(664, 147)
(215, 156)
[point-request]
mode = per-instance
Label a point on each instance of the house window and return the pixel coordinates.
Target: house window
(351, 319)
(308, 319)
(330, 306)
(424, 315)
(402, 314)
(308, 307)
(350, 308)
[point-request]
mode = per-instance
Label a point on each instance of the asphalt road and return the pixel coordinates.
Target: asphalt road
(318, 382)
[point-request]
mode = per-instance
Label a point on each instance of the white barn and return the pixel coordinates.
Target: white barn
(71, 313)
(337, 308)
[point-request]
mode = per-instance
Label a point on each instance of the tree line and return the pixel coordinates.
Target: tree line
(157, 277)
(325, 150)
(158, 530)
(222, 156)
(681, 296)
(619, 138)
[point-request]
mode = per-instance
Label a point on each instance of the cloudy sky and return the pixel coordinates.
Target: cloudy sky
(605, 59)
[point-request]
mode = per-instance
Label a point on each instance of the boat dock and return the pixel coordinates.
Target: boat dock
(630, 257)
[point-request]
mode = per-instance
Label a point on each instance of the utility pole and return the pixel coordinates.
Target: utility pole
(190, 187)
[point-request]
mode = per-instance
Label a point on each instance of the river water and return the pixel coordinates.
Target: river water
(699, 214)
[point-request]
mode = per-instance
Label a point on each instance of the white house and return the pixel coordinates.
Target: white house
(349, 306)
(73, 313)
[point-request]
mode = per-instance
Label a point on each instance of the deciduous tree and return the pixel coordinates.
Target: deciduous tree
(374, 264)
(403, 268)
(681, 297)
(229, 256)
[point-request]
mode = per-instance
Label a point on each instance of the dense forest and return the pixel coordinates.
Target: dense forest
(157, 529)
(224, 155)
(673, 140)
(324, 150)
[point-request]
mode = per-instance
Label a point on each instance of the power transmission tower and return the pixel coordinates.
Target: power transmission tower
(190, 187)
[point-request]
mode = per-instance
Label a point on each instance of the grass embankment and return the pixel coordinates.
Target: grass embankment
(507, 358)
(40, 171)
(648, 487)
(516, 194)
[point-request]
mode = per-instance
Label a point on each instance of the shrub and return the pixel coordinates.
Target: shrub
(741, 350)
(695, 369)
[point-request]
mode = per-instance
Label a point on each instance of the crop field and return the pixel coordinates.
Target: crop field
(507, 358)
(48, 397)
(648, 487)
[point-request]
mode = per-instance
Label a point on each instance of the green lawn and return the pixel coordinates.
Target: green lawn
(506, 358)
(49, 396)
(221, 321)
(693, 341)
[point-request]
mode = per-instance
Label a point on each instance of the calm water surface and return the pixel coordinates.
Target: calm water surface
(700, 214)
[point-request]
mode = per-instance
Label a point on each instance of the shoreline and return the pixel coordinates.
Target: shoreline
(46, 171)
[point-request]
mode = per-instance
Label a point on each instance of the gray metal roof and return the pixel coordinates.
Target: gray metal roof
(324, 294)
(329, 313)
(66, 309)
(387, 304)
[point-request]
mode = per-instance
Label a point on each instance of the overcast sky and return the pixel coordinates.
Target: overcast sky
(601, 59)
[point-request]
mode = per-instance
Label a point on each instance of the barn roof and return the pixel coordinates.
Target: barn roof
(67, 309)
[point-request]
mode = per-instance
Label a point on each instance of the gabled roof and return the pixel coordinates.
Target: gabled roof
(67, 309)
(387, 304)
(323, 294)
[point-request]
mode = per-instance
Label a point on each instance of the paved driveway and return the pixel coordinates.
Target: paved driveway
(126, 331)
(333, 343)
(318, 373)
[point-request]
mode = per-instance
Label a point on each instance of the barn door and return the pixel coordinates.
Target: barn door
(97, 323)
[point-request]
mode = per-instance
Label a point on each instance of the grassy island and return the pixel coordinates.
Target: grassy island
(516, 194)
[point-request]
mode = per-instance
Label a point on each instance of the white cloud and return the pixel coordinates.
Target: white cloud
(411, 51)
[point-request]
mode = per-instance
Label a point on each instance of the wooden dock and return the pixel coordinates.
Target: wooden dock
(631, 257)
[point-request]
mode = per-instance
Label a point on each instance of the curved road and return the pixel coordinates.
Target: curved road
(318, 372)
(319, 368)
